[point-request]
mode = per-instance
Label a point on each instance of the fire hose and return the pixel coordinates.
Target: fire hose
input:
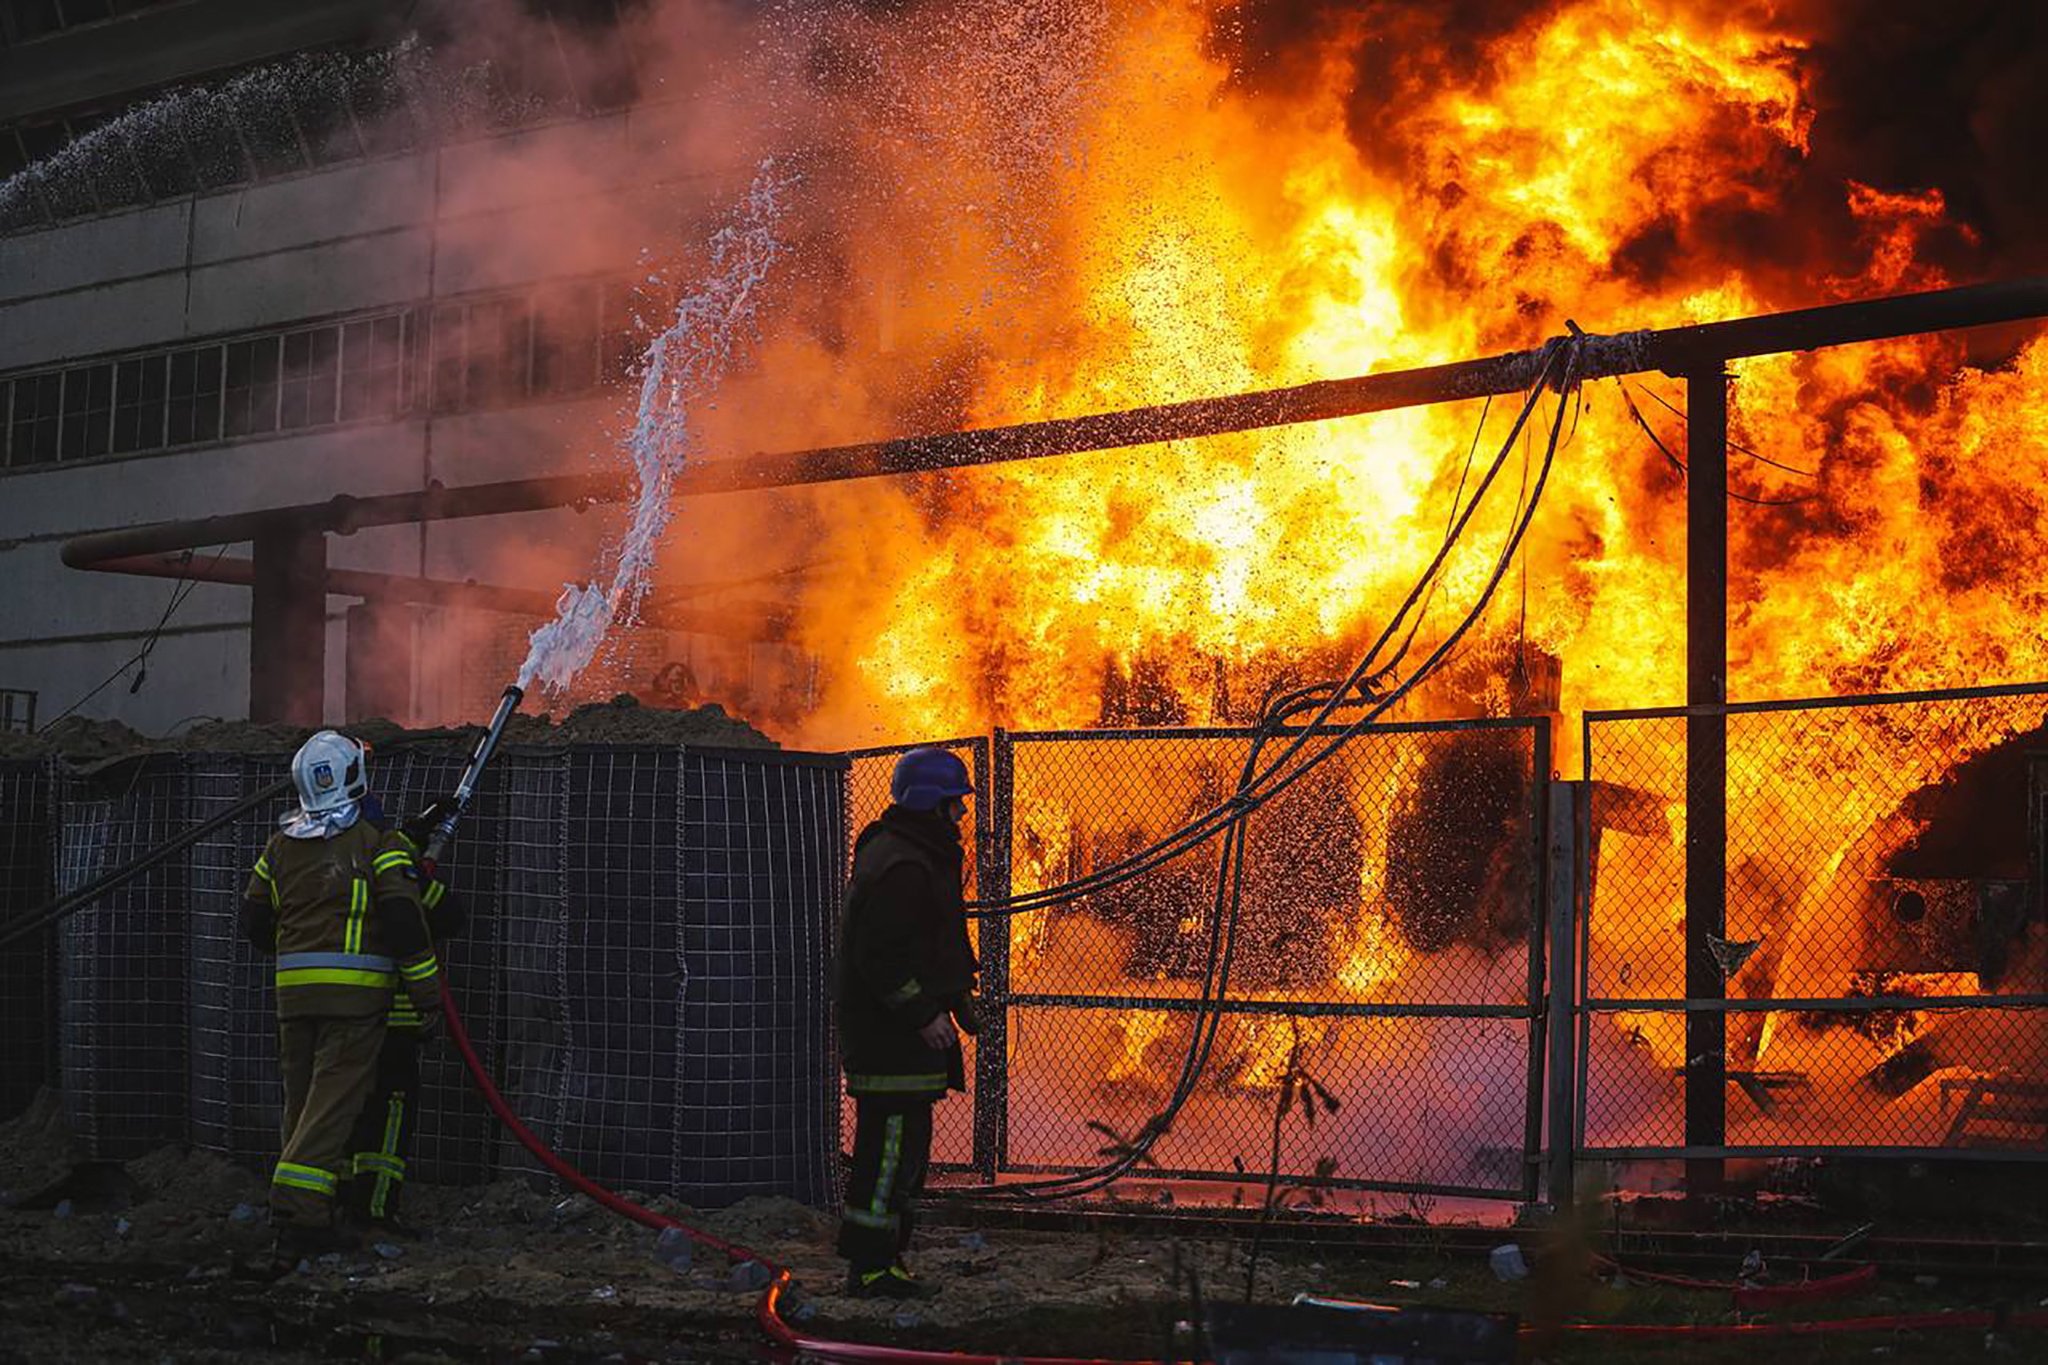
(778, 1329)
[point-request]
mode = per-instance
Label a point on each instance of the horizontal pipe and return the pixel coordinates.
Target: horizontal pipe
(752, 621)
(1678, 349)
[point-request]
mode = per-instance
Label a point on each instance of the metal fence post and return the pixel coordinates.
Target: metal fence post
(1544, 907)
(1706, 769)
(992, 879)
(1566, 800)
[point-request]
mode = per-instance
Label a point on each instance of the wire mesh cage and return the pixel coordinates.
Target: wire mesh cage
(1878, 977)
(28, 1003)
(123, 1001)
(644, 966)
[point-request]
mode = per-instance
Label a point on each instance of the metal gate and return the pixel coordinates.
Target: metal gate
(1388, 945)
(1876, 962)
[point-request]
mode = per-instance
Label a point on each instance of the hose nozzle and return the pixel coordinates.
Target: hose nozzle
(466, 788)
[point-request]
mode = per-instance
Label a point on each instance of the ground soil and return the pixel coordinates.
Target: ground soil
(622, 720)
(166, 1258)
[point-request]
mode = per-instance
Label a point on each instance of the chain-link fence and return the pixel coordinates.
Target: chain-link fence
(954, 1122)
(1384, 940)
(1384, 943)
(1873, 975)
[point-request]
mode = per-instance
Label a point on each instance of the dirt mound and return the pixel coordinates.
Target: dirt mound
(623, 720)
(77, 739)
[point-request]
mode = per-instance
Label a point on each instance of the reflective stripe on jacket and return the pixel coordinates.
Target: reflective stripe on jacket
(348, 926)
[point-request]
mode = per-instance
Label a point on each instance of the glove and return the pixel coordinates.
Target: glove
(967, 1014)
(420, 828)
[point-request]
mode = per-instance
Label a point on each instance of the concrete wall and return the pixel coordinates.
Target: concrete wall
(399, 230)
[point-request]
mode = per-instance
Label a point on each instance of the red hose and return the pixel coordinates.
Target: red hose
(778, 1329)
(1897, 1322)
(768, 1313)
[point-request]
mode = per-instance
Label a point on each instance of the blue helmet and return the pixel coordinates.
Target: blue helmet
(926, 779)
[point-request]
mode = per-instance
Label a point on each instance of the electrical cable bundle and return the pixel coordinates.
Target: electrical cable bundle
(1258, 786)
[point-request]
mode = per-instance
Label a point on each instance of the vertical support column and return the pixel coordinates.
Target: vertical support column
(1706, 766)
(288, 628)
(1565, 803)
(1542, 882)
(992, 1047)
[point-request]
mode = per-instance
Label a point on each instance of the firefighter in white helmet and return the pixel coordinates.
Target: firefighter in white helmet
(337, 899)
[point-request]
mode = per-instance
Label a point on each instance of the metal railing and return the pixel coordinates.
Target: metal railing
(1387, 943)
(1881, 959)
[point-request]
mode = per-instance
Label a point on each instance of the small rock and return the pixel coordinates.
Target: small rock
(390, 1251)
(73, 1292)
(674, 1250)
(604, 1293)
(747, 1276)
(805, 1312)
(330, 1261)
(1926, 1281)
(63, 1209)
(242, 1213)
(1508, 1263)
(1405, 1284)
(974, 1241)
(905, 1319)
(1439, 1283)
(122, 1227)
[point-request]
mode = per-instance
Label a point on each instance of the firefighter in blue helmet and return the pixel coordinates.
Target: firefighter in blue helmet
(905, 990)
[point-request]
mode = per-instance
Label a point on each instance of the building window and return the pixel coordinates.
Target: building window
(251, 394)
(140, 395)
(373, 368)
(32, 428)
(88, 412)
(565, 335)
(17, 711)
(194, 410)
(308, 388)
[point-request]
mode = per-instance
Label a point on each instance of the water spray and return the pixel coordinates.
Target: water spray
(437, 844)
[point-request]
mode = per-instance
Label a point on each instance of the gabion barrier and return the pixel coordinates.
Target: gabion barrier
(645, 967)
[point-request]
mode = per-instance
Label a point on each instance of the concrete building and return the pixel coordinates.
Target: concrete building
(297, 283)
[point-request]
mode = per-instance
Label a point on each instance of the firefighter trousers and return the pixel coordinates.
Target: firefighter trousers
(328, 1066)
(382, 1141)
(892, 1149)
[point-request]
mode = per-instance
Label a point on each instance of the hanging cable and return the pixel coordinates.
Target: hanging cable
(1230, 876)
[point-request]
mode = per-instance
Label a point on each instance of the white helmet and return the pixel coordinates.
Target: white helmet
(331, 772)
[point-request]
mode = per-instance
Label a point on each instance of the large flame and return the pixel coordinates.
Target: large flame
(1101, 212)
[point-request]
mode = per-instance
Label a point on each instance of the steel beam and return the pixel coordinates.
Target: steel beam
(1706, 764)
(1678, 350)
(288, 628)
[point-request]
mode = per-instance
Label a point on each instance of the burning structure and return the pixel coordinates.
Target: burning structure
(1113, 211)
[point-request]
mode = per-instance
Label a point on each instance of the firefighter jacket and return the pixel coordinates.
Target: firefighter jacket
(343, 916)
(445, 919)
(904, 957)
